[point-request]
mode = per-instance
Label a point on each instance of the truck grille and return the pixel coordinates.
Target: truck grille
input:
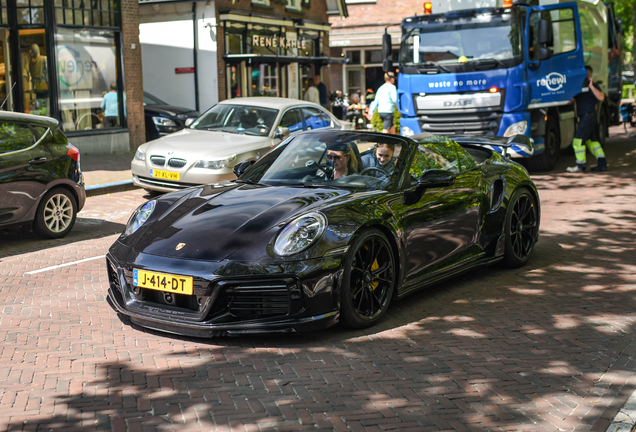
(486, 123)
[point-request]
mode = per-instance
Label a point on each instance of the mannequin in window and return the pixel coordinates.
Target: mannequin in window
(38, 72)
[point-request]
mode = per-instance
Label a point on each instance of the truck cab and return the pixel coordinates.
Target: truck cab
(508, 70)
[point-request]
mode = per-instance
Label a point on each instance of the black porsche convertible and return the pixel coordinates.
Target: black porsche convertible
(293, 245)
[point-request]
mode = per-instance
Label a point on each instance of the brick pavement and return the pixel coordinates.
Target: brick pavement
(547, 347)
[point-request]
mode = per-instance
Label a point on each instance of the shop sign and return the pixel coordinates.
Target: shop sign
(278, 42)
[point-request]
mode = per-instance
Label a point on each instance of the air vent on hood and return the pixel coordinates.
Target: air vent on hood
(177, 163)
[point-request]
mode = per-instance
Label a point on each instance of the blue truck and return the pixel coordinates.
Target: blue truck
(512, 68)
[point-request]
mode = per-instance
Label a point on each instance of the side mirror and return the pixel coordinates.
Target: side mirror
(188, 122)
(241, 167)
(435, 178)
(544, 53)
(281, 132)
(387, 52)
(521, 141)
(544, 31)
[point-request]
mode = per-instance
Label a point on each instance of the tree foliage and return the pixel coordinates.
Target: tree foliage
(626, 12)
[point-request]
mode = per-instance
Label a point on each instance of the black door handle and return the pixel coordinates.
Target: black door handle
(37, 161)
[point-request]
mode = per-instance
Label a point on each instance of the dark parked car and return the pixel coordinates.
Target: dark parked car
(162, 118)
(40, 178)
(286, 247)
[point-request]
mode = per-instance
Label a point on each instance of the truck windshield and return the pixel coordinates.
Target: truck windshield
(461, 42)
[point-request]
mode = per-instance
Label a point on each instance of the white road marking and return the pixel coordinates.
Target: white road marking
(64, 265)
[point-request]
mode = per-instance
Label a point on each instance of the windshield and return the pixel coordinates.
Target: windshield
(491, 40)
(316, 159)
(240, 119)
(152, 100)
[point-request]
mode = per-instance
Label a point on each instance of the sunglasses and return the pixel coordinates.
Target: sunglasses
(333, 157)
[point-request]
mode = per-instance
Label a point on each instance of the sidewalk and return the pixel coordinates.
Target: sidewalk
(107, 173)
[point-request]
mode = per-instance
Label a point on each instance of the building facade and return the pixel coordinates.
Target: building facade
(196, 53)
(358, 38)
(66, 60)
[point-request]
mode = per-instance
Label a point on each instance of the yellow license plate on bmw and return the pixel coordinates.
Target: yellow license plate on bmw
(168, 175)
(162, 282)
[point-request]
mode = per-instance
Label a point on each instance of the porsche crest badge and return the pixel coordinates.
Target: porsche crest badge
(180, 246)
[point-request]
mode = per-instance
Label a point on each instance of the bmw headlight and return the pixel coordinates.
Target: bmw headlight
(407, 131)
(165, 122)
(140, 216)
(215, 164)
(140, 155)
(518, 128)
(300, 233)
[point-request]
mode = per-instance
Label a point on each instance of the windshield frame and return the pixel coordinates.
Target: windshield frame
(461, 21)
(293, 146)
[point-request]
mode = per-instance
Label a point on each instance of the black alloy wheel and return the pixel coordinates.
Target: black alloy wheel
(521, 228)
(368, 280)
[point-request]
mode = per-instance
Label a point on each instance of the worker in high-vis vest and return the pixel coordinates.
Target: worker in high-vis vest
(586, 103)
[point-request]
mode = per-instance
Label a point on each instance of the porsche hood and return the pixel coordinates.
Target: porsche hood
(212, 223)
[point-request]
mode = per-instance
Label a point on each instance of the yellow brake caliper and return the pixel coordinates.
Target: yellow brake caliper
(374, 267)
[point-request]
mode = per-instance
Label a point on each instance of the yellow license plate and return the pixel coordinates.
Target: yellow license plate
(162, 282)
(168, 175)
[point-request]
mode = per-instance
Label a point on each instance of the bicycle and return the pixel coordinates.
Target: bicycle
(628, 115)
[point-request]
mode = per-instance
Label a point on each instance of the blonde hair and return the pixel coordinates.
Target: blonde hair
(352, 165)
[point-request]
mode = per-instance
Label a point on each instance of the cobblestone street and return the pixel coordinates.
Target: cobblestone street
(547, 347)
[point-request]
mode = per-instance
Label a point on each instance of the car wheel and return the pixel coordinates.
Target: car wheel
(56, 214)
(521, 228)
(368, 280)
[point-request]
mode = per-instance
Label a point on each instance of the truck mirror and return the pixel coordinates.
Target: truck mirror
(387, 65)
(544, 53)
(544, 31)
(387, 46)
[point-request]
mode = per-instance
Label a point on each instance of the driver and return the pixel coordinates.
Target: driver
(344, 161)
(382, 157)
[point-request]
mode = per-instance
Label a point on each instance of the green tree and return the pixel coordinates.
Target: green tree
(626, 12)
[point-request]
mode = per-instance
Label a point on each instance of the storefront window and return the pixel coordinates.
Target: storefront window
(30, 11)
(265, 80)
(35, 75)
(309, 43)
(265, 40)
(234, 81)
(6, 83)
(234, 34)
(98, 13)
(87, 72)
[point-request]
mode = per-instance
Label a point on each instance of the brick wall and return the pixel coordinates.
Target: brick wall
(133, 77)
(383, 12)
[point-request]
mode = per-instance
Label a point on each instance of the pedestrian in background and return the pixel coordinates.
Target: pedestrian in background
(311, 93)
(338, 105)
(322, 91)
(586, 104)
(110, 106)
(385, 102)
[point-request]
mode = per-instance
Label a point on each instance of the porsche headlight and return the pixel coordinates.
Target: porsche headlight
(215, 164)
(300, 233)
(140, 155)
(139, 217)
(518, 128)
